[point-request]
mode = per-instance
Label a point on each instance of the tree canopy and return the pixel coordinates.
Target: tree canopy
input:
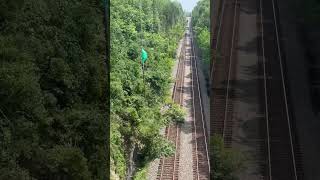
(136, 104)
(201, 25)
(52, 90)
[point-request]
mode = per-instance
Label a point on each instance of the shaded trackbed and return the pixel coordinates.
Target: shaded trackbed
(280, 150)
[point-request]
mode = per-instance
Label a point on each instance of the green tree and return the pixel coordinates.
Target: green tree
(136, 118)
(226, 161)
(201, 24)
(52, 90)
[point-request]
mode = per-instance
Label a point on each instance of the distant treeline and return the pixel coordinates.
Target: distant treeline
(201, 28)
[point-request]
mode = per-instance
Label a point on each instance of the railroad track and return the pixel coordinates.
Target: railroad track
(280, 150)
(169, 166)
(283, 153)
(223, 73)
(201, 167)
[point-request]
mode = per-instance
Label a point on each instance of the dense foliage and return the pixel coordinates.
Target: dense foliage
(201, 28)
(137, 105)
(52, 90)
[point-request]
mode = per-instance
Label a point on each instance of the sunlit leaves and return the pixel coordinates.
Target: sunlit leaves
(136, 98)
(201, 24)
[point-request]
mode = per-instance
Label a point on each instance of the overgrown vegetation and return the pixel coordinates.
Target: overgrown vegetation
(174, 113)
(201, 28)
(226, 162)
(52, 90)
(137, 112)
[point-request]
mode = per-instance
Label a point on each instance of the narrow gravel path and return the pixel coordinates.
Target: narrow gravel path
(186, 160)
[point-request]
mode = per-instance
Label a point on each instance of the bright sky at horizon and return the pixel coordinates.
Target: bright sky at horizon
(188, 5)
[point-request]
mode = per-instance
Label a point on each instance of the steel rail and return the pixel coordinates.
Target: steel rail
(201, 108)
(230, 67)
(284, 90)
(265, 91)
(218, 35)
(179, 78)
